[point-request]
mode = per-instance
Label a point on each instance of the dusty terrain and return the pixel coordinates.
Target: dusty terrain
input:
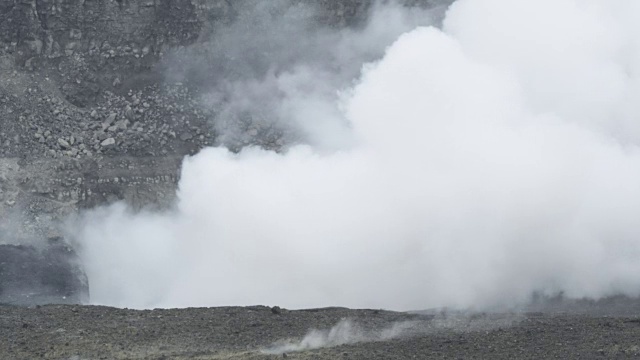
(93, 332)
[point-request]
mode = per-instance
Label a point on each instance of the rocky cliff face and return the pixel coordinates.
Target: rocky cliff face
(81, 78)
(88, 82)
(107, 45)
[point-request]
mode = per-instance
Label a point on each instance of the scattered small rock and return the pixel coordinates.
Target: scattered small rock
(111, 118)
(64, 144)
(108, 142)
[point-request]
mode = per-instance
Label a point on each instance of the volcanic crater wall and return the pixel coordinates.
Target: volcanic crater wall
(91, 112)
(84, 89)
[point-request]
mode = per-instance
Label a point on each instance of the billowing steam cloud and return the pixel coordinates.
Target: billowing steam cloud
(490, 159)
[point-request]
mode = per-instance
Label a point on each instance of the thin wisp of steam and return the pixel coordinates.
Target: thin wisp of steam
(348, 331)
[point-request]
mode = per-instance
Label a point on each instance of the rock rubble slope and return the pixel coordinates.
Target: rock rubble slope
(90, 85)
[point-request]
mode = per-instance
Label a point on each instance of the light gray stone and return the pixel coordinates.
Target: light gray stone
(108, 142)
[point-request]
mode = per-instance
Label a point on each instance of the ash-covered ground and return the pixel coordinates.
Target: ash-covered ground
(258, 332)
(100, 101)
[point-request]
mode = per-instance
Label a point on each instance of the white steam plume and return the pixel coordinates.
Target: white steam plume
(349, 332)
(344, 332)
(494, 158)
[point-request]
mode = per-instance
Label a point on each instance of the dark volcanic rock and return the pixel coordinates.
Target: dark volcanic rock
(31, 276)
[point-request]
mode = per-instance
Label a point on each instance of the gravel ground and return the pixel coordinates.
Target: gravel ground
(95, 332)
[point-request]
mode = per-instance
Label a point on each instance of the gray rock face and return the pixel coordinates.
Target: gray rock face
(80, 68)
(31, 276)
(37, 196)
(89, 38)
